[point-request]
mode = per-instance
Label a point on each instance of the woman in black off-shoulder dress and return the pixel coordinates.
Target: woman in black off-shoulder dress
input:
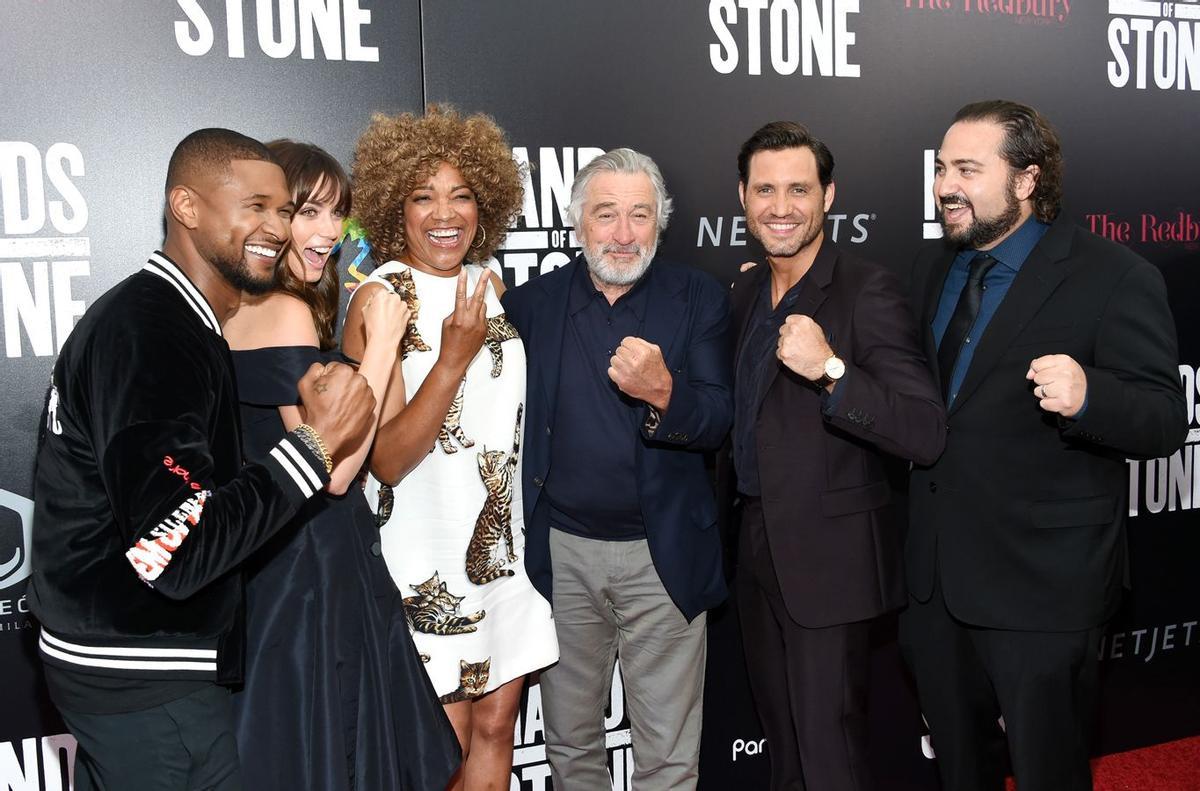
(335, 696)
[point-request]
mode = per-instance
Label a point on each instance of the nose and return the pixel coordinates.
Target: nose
(943, 185)
(331, 227)
(278, 226)
(780, 205)
(623, 233)
(442, 210)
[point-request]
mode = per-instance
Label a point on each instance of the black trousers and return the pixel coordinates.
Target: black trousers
(184, 745)
(809, 685)
(1043, 684)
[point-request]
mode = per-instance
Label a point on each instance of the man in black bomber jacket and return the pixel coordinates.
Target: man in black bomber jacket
(144, 509)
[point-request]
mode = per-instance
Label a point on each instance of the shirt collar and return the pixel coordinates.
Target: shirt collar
(169, 271)
(583, 291)
(1013, 251)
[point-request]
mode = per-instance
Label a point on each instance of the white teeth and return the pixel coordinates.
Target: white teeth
(265, 252)
(444, 233)
(320, 250)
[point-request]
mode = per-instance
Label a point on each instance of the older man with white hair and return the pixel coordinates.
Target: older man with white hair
(629, 381)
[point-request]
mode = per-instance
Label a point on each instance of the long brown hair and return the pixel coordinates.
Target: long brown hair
(308, 169)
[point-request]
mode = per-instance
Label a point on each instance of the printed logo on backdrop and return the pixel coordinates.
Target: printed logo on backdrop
(785, 36)
(1154, 44)
(530, 770)
(1148, 643)
(1020, 11)
(930, 228)
(310, 29)
(840, 227)
(540, 239)
(1166, 229)
(43, 218)
(16, 541)
(45, 763)
(1172, 483)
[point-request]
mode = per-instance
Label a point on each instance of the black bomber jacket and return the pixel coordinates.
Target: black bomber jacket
(144, 507)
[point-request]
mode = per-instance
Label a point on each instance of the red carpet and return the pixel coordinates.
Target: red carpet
(1174, 766)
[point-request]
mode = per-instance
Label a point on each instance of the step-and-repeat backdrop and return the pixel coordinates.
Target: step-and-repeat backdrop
(96, 95)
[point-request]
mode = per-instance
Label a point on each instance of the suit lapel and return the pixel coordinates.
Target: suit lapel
(666, 307)
(812, 295)
(745, 296)
(934, 284)
(551, 326)
(1040, 275)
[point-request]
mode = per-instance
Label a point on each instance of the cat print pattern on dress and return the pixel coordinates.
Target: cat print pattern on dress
(403, 284)
(494, 525)
(499, 330)
(452, 427)
(472, 681)
(434, 610)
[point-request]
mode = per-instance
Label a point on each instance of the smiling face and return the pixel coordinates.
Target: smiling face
(784, 201)
(440, 221)
(980, 198)
(619, 227)
(244, 223)
(316, 227)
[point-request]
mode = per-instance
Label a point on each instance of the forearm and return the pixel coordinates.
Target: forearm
(404, 439)
(376, 367)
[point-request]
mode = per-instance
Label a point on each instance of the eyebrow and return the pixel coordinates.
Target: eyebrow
(961, 161)
(608, 204)
(760, 184)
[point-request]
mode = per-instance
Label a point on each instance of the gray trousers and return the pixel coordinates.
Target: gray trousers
(609, 601)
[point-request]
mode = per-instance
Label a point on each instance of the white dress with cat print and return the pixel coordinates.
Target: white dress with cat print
(470, 604)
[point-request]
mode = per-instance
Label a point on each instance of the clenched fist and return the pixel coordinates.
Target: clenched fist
(638, 369)
(802, 347)
(1060, 384)
(338, 404)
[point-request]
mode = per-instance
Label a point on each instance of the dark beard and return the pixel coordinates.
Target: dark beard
(240, 277)
(985, 231)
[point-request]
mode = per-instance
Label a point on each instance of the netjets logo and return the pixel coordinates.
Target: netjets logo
(541, 239)
(43, 216)
(16, 538)
(1154, 44)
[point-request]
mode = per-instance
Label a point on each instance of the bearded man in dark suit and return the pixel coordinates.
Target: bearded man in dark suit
(1057, 357)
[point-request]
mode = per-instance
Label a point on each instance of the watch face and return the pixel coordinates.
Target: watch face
(835, 368)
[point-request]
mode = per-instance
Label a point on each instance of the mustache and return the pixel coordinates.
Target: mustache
(957, 199)
(613, 247)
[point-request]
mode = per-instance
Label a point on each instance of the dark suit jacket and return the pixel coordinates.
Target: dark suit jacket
(832, 527)
(1022, 519)
(688, 318)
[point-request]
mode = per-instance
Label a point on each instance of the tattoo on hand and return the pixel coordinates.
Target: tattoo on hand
(320, 387)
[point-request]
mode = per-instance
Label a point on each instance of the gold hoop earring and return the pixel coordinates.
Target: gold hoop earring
(479, 243)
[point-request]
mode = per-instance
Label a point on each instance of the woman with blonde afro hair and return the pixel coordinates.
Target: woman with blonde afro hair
(435, 194)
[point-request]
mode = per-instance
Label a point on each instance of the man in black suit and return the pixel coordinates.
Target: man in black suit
(1056, 353)
(831, 391)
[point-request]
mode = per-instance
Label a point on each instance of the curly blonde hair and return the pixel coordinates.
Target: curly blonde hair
(396, 153)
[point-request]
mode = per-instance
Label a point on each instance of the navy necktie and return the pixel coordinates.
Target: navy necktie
(965, 313)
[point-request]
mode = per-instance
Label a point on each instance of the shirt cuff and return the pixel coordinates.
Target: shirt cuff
(296, 468)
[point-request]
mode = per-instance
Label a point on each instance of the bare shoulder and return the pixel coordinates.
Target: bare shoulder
(279, 319)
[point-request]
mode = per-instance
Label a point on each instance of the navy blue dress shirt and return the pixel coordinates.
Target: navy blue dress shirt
(592, 488)
(1010, 256)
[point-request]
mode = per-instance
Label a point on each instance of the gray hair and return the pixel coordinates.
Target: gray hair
(620, 160)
